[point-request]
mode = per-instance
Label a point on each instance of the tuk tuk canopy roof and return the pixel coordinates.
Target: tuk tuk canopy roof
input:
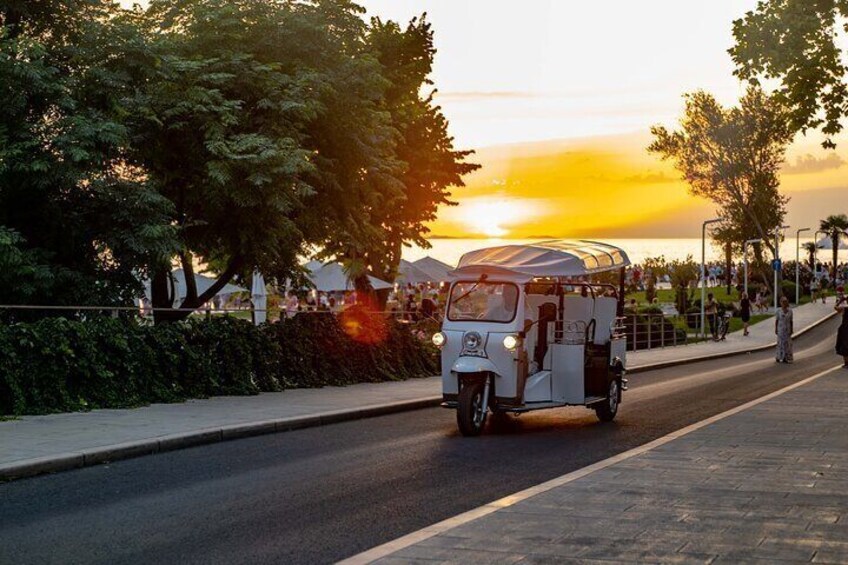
(554, 258)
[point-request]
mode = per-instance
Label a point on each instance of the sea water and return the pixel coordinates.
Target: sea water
(450, 250)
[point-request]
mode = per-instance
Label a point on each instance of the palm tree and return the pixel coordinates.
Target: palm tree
(810, 248)
(834, 225)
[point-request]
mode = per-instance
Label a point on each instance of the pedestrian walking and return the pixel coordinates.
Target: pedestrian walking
(783, 329)
(745, 312)
(842, 334)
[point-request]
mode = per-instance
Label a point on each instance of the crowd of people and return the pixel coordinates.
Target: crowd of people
(405, 301)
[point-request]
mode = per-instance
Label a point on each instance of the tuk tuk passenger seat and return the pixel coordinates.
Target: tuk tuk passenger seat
(578, 309)
(606, 310)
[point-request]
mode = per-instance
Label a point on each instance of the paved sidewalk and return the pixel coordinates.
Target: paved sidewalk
(37, 444)
(765, 484)
(761, 337)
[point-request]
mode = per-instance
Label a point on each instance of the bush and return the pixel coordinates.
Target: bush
(788, 288)
(60, 365)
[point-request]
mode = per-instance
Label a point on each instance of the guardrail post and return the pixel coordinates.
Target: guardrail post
(650, 319)
(635, 333)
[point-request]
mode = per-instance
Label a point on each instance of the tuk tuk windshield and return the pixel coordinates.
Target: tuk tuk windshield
(483, 301)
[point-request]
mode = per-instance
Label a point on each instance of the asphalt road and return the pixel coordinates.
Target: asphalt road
(321, 494)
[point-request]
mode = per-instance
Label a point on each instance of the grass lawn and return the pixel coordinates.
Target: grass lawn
(736, 323)
(667, 295)
(720, 293)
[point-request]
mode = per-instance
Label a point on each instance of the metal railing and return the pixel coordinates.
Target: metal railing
(647, 331)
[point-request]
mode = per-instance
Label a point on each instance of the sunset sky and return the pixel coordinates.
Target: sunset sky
(557, 97)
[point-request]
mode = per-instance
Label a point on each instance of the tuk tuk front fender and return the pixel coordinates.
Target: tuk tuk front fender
(473, 365)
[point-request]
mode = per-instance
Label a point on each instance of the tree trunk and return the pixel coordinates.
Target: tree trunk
(193, 303)
(160, 298)
(736, 193)
(365, 294)
(728, 265)
(388, 272)
(188, 272)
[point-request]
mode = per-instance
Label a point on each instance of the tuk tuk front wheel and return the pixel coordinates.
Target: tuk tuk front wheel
(607, 409)
(471, 412)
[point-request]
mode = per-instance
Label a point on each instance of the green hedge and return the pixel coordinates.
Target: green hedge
(61, 365)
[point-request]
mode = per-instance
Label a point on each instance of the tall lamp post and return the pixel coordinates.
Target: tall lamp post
(745, 256)
(816, 253)
(798, 264)
(704, 272)
(776, 261)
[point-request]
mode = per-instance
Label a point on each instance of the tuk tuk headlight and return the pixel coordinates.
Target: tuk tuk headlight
(439, 339)
(510, 342)
(472, 341)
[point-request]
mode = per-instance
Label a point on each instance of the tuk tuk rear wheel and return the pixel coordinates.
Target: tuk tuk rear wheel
(471, 412)
(607, 409)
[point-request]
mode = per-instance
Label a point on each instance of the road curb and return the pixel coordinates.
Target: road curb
(74, 460)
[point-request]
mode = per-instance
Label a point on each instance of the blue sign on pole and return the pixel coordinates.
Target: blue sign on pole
(776, 265)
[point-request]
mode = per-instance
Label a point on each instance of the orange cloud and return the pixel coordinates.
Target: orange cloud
(607, 187)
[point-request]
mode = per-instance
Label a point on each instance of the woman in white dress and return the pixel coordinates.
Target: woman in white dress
(783, 329)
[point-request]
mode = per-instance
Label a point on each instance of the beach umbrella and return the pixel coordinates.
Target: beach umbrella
(259, 297)
(827, 243)
(435, 269)
(409, 273)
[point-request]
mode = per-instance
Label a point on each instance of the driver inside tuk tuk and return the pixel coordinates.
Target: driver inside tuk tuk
(500, 306)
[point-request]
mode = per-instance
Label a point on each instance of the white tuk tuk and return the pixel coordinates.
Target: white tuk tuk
(526, 327)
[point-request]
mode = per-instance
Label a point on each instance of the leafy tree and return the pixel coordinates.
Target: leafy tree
(24, 277)
(66, 185)
(237, 134)
(796, 43)
(430, 164)
(835, 226)
(261, 122)
(683, 273)
(810, 248)
(732, 156)
(654, 267)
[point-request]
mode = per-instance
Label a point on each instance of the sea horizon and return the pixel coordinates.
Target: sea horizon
(450, 249)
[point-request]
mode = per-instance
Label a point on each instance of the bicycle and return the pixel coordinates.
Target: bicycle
(723, 326)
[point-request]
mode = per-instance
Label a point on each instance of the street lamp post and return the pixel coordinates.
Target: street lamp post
(745, 256)
(704, 272)
(798, 264)
(816, 253)
(776, 259)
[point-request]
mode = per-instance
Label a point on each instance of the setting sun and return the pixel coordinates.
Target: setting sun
(494, 216)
